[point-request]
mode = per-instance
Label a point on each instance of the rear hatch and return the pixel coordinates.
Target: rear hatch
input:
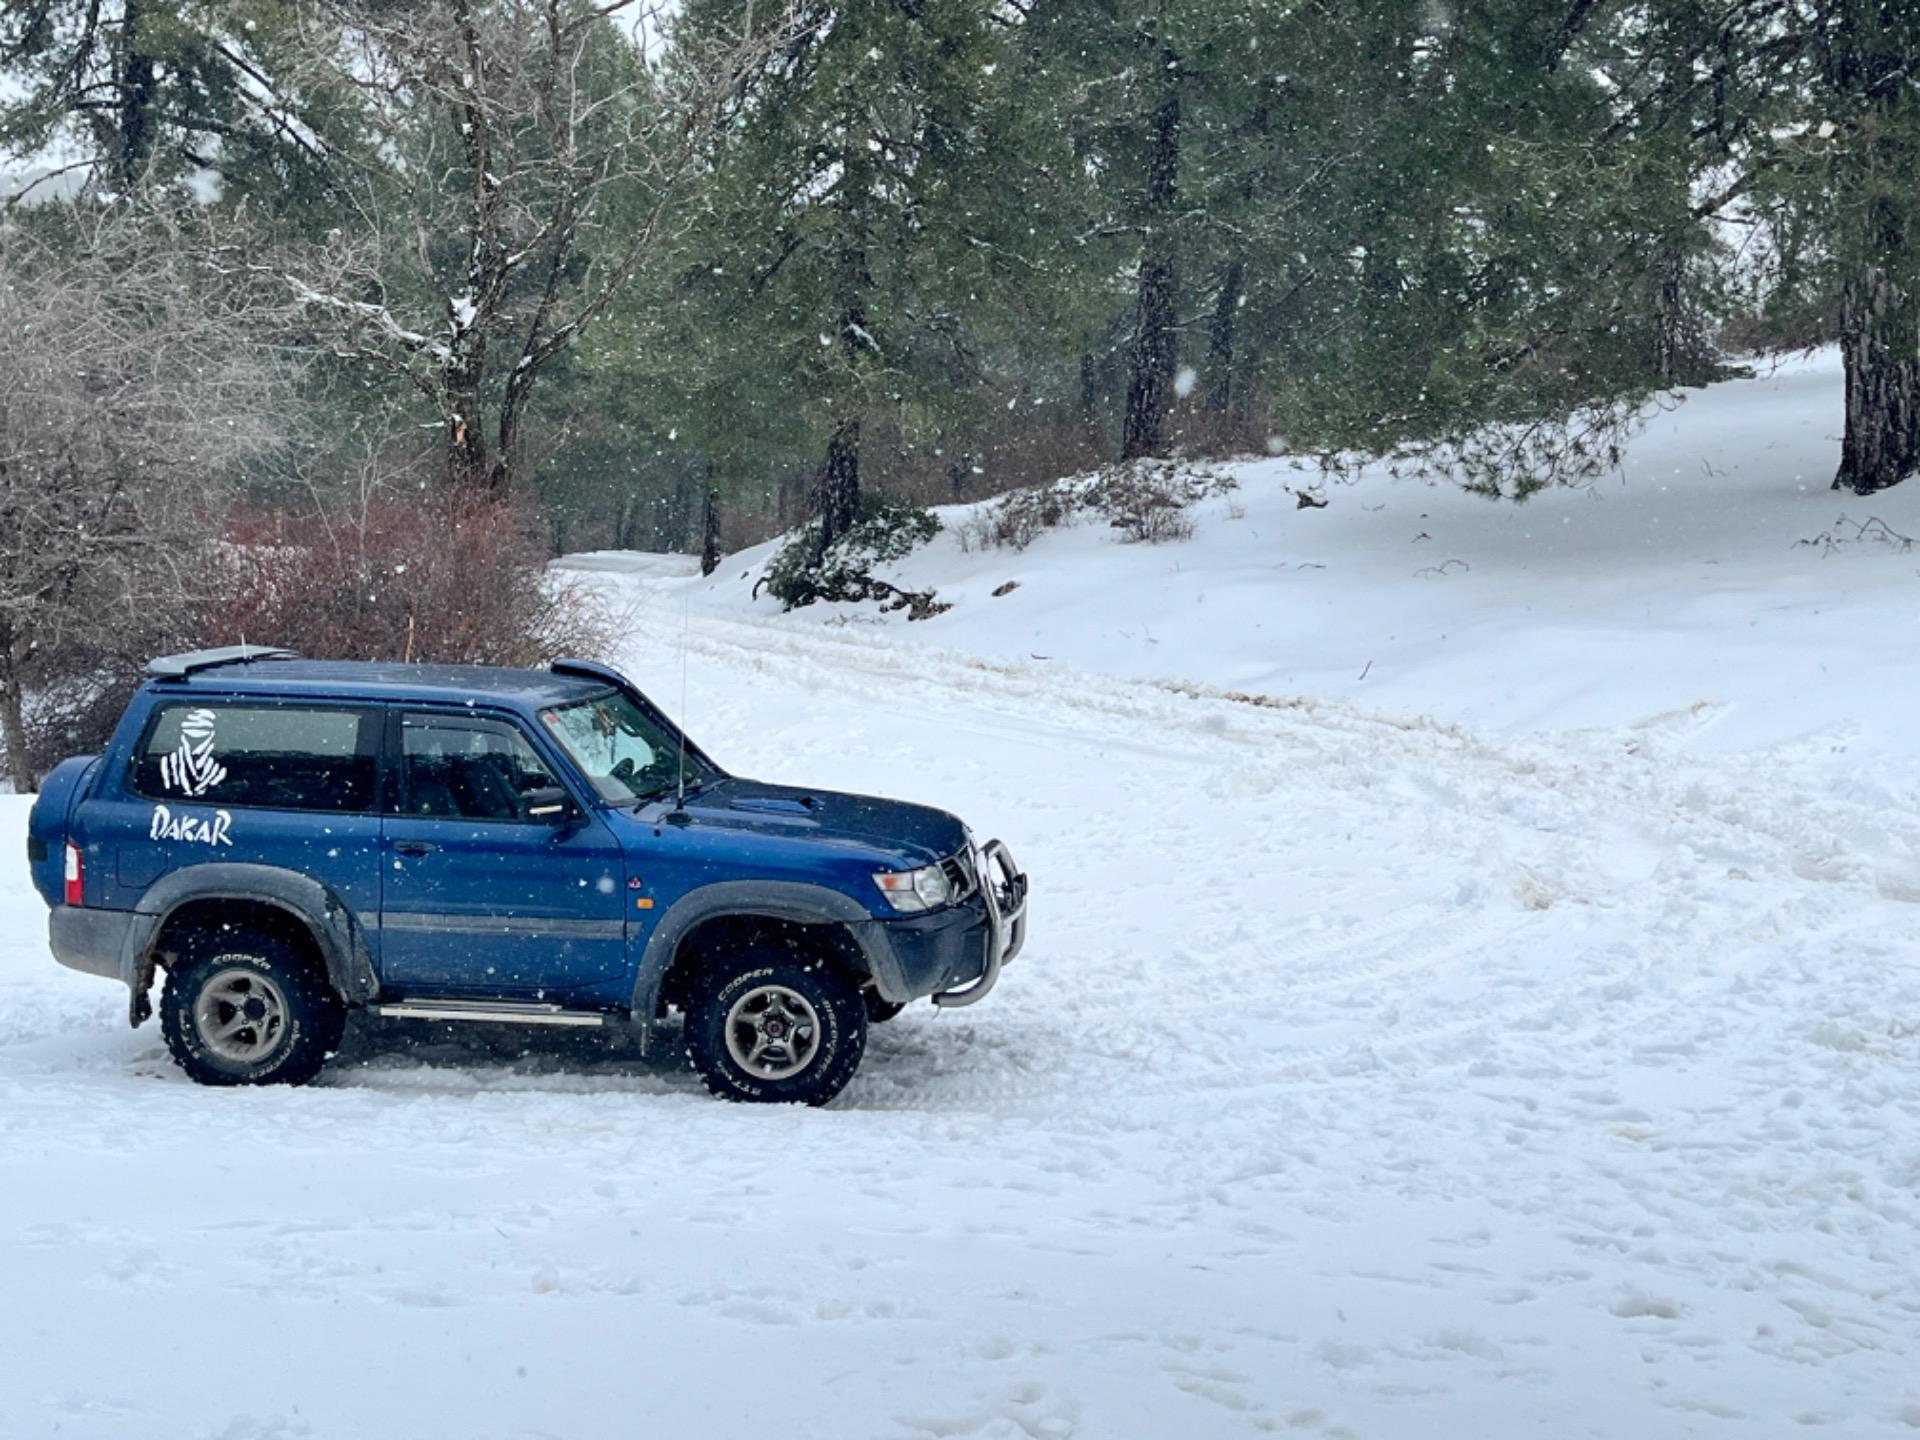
(48, 820)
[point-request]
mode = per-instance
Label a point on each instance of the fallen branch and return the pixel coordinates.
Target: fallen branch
(1872, 529)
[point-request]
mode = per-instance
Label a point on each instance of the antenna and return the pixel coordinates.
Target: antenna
(686, 629)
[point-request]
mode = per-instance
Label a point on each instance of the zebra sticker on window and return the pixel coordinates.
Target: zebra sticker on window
(191, 768)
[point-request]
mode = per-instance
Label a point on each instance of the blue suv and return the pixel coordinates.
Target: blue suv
(291, 839)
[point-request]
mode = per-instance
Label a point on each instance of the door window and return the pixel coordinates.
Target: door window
(281, 757)
(459, 767)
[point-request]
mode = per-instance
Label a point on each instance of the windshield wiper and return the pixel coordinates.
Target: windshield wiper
(647, 797)
(694, 785)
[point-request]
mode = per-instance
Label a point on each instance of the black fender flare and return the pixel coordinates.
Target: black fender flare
(328, 918)
(791, 900)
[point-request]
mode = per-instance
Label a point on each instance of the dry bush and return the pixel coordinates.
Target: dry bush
(434, 577)
(77, 680)
(1016, 520)
(129, 380)
(1147, 502)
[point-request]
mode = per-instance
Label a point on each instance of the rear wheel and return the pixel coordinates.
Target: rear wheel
(247, 1009)
(776, 1029)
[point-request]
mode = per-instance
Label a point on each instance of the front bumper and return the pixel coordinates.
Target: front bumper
(956, 954)
(1003, 885)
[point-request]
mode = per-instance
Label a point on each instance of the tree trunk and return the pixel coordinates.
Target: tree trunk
(1150, 368)
(836, 493)
(790, 499)
(1220, 337)
(1089, 393)
(13, 720)
(836, 489)
(1670, 317)
(513, 410)
(1682, 352)
(467, 472)
(710, 534)
(1150, 361)
(686, 513)
(1880, 346)
(1868, 60)
(139, 78)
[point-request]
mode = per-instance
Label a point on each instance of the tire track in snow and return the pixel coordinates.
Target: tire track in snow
(1091, 1059)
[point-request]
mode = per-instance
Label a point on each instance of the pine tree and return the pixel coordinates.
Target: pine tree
(1868, 64)
(149, 92)
(1807, 116)
(862, 227)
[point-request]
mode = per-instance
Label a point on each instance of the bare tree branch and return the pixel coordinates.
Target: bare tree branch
(530, 167)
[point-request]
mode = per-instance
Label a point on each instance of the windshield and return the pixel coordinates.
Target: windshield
(625, 754)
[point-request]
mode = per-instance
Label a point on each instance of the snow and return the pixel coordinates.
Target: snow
(1674, 584)
(1495, 1046)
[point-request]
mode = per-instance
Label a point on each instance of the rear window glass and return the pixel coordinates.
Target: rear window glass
(281, 757)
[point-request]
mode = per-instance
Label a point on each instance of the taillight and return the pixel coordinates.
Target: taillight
(76, 876)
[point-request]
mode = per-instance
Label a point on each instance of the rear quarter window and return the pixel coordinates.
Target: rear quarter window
(279, 757)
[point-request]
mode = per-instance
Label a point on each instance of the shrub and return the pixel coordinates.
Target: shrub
(884, 529)
(1016, 520)
(1147, 502)
(76, 680)
(447, 579)
(427, 579)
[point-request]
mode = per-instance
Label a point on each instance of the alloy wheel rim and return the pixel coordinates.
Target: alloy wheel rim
(241, 1015)
(773, 1032)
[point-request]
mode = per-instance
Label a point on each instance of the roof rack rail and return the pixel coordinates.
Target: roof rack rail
(178, 667)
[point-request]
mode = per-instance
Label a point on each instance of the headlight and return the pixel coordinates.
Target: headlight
(915, 890)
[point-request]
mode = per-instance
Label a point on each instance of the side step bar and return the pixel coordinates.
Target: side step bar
(494, 1012)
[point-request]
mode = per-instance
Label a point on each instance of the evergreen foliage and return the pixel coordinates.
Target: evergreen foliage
(881, 530)
(937, 248)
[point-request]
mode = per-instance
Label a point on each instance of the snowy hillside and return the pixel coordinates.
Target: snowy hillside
(1543, 1068)
(1673, 585)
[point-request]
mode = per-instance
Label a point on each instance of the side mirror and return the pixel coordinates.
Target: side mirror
(549, 803)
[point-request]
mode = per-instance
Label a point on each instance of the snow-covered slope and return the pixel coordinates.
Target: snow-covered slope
(1675, 584)
(1366, 1076)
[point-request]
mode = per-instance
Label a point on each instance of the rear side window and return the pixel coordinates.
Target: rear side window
(279, 757)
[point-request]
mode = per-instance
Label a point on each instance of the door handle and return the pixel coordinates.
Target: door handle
(414, 847)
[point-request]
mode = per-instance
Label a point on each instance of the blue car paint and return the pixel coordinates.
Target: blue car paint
(47, 823)
(604, 884)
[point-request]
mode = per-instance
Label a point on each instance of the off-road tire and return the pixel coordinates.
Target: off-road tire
(839, 1020)
(879, 1011)
(311, 1018)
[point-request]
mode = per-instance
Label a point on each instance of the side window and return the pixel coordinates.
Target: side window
(279, 757)
(460, 767)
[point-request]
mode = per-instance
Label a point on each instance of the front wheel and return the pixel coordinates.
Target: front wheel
(776, 1029)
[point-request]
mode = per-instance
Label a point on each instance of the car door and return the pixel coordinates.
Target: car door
(480, 896)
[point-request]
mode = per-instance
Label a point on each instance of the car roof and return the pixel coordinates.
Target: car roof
(384, 680)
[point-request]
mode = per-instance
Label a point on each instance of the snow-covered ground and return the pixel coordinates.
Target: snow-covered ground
(1675, 583)
(1543, 1067)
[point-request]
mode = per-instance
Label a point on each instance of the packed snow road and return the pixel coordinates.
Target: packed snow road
(1363, 1077)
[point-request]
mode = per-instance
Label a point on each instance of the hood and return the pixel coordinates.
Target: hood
(893, 831)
